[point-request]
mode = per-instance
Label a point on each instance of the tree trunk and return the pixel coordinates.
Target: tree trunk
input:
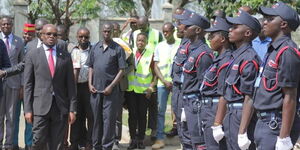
(147, 4)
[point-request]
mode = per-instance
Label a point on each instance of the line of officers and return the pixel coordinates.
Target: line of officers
(234, 100)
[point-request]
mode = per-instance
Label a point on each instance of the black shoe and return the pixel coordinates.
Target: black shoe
(173, 132)
(132, 145)
(141, 145)
(16, 147)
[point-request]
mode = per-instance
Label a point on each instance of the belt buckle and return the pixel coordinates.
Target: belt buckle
(273, 124)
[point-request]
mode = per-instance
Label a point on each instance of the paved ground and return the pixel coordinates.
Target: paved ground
(172, 143)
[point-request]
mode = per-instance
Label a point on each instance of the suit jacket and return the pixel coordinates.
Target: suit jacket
(39, 86)
(15, 56)
(4, 61)
(18, 68)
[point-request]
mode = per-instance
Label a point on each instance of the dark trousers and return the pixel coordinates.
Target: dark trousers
(137, 119)
(81, 130)
(177, 105)
(104, 119)
(208, 113)
(192, 107)
(49, 129)
(119, 118)
(152, 112)
(266, 138)
(8, 103)
(231, 125)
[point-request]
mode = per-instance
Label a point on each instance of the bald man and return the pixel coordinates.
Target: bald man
(49, 91)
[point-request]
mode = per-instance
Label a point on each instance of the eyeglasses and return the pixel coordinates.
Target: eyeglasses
(81, 37)
(49, 34)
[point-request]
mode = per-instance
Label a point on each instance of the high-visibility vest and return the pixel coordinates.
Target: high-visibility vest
(153, 38)
(140, 78)
(166, 61)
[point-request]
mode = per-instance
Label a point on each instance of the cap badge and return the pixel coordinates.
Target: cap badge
(191, 15)
(215, 22)
(191, 59)
(275, 5)
(239, 13)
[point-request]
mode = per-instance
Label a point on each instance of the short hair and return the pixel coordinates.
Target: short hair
(169, 24)
(144, 34)
(83, 28)
(7, 17)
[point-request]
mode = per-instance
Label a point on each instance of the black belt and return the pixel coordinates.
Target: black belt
(272, 116)
(235, 105)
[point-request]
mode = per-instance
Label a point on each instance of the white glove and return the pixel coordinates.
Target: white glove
(243, 141)
(218, 133)
(284, 144)
(183, 118)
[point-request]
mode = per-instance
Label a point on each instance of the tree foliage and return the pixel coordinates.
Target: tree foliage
(65, 12)
(231, 6)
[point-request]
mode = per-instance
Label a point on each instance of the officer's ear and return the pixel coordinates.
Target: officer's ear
(248, 33)
(284, 25)
(198, 30)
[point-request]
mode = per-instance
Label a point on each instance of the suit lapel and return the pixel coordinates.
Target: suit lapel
(44, 61)
(13, 46)
(58, 60)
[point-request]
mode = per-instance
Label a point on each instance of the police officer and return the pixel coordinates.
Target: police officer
(213, 80)
(176, 99)
(276, 94)
(199, 58)
(239, 86)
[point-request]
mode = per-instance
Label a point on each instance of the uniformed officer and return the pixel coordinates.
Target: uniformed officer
(239, 86)
(106, 63)
(176, 99)
(199, 58)
(213, 80)
(275, 97)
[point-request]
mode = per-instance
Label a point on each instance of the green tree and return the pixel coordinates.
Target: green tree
(65, 12)
(231, 6)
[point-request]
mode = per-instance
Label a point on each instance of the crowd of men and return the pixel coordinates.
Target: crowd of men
(235, 88)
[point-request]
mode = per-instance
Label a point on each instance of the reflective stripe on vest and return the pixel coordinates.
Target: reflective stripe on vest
(140, 78)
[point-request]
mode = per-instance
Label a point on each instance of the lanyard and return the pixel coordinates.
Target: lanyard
(137, 60)
(263, 65)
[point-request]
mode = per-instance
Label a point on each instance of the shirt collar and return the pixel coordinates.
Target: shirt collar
(236, 53)
(279, 41)
(9, 36)
(267, 39)
(46, 48)
(196, 44)
(224, 54)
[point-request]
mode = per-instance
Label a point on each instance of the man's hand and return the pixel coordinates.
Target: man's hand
(2, 73)
(72, 118)
(92, 89)
(107, 91)
(29, 117)
(149, 92)
(283, 144)
(21, 94)
(243, 141)
(218, 133)
(168, 85)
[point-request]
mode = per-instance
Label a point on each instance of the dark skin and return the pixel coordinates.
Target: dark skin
(239, 35)
(261, 35)
(28, 36)
(39, 26)
(62, 33)
(117, 31)
(49, 33)
(6, 26)
(141, 44)
(168, 32)
(143, 24)
(83, 39)
(275, 27)
(107, 30)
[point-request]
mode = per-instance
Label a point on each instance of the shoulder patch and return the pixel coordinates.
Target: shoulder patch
(235, 67)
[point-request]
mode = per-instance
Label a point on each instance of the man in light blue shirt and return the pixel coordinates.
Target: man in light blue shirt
(261, 42)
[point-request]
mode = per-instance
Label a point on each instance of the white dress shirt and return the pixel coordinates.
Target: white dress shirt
(46, 48)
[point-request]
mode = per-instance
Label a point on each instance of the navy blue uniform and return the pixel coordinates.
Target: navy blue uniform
(199, 59)
(211, 89)
(239, 81)
(179, 60)
(278, 71)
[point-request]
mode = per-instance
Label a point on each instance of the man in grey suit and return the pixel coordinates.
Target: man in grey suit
(12, 86)
(49, 91)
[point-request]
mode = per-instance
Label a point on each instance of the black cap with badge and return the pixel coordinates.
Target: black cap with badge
(196, 19)
(219, 24)
(245, 19)
(185, 14)
(287, 13)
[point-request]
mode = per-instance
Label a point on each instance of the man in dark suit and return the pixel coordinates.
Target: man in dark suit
(49, 91)
(4, 63)
(12, 86)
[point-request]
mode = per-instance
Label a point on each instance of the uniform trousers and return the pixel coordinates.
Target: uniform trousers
(177, 105)
(208, 113)
(231, 125)
(152, 112)
(119, 118)
(81, 129)
(267, 132)
(104, 119)
(137, 108)
(7, 111)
